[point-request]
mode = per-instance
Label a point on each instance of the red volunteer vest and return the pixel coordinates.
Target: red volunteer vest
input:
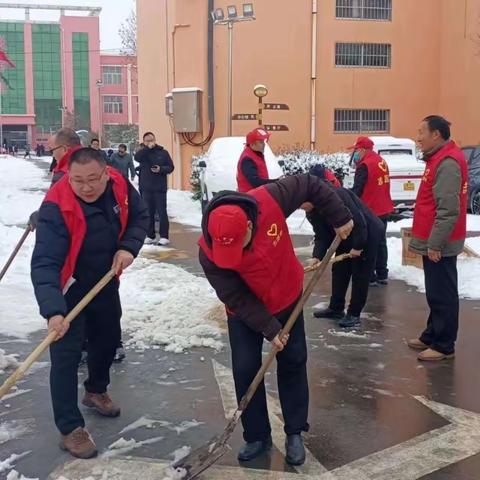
(243, 185)
(62, 194)
(330, 177)
(269, 266)
(376, 193)
(62, 165)
(425, 210)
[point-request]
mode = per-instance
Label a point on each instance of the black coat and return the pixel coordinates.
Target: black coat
(149, 157)
(365, 234)
(98, 249)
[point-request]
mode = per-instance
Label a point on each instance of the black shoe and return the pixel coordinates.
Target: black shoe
(329, 313)
(382, 282)
(252, 450)
(373, 283)
(295, 450)
(349, 321)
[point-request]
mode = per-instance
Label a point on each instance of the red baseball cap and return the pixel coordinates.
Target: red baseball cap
(227, 225)
(257, 134)
(362, 142)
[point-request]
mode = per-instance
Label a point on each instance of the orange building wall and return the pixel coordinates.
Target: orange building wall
(435, 67)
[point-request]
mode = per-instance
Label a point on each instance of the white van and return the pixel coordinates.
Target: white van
(220, 169)
(406, 170)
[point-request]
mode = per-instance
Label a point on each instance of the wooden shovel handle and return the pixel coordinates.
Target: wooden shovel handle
(50, 338)
(336, 259)
(15, 251)
(290, 323)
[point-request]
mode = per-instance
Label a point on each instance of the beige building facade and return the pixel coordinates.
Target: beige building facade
(343, 67)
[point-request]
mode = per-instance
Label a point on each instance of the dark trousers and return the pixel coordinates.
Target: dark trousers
(359, 271)
(100, 322)
(157, 204)
(441, 285)
(246, 345)
(381, 266)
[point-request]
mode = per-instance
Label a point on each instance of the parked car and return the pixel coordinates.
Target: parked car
(472, 155)
(219, 167)
(406, 169)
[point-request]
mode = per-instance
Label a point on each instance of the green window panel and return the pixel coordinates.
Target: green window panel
(47, 76)
(14, 98)
(81, 79)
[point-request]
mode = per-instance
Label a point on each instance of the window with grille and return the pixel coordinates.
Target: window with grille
(362, 121)
(112, 104)
(112, 75)
(374, 55)
(364, 9)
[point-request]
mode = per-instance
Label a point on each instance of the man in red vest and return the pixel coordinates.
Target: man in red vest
(252, 170)
(247, 256)
(91, 220)
(372, 185)
(439, 231)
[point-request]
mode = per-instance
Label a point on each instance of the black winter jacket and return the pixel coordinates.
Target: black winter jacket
(96, 255)
(147, 158)
(366, 231)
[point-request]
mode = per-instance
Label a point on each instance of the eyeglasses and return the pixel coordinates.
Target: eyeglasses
(93, 182)
(56, 148)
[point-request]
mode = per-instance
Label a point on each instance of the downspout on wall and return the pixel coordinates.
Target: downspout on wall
(313, 93)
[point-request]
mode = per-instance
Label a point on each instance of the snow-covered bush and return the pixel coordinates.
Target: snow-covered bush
(300, 160)
(195, 175)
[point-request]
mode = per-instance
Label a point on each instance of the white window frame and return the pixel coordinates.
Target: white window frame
(361, 120)
(371, 10)
(364, 53)
(112, 74)
(113, 104)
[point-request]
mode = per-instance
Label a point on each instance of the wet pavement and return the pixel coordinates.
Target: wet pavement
(375, 411)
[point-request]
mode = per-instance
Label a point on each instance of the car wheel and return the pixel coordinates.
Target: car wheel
(475, 203)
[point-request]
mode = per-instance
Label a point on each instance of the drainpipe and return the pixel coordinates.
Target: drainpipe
(313, 95)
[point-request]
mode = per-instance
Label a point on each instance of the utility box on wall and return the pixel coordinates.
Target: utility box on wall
(187, 110)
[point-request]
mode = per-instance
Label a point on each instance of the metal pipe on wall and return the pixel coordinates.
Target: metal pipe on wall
(313, 94)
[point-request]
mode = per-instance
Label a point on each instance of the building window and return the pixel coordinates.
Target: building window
(112, 75)
(81, 80)
(374, 55)
(362, 121)
(364, 9)
(112, 104)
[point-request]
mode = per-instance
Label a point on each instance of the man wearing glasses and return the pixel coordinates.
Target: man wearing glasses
(90, 221)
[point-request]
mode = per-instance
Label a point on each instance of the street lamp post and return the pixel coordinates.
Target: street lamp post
(260, 91)
(232, 18)
(100, 107)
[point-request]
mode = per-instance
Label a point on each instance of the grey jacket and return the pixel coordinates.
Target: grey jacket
(123, 164)
(446, 191)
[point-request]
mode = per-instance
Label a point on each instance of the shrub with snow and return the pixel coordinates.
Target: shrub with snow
(300, 160)
(195, 174)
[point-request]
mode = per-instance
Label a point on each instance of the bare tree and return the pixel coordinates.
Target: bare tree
(128, 34)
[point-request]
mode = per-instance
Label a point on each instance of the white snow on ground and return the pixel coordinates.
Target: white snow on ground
(122, 446)
(19, 309)
(473, 224)
(7, 361)
(182, 209)
(468, 268)
(13, 429)
(175, 307)
(9, 462)
(145, 422)
(14, 475)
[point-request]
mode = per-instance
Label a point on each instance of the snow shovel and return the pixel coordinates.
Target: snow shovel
(336, 259)
(205, 456)
(15, 251)
(33, 357)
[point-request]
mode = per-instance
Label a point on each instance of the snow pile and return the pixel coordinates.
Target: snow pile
(145, 422)
(7, 361)
(9, 462)
(468, 268)
(13, 429)
(175, 308)
(23, 192)
(473, 224)
(14, 475)
(122, 446)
